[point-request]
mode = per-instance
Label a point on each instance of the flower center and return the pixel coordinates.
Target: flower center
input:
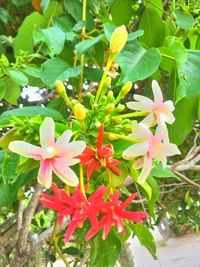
(50, 152)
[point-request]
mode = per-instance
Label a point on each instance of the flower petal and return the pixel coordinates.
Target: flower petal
(141, 106)
(136, 150)
(25, 149)
(145, 170)
(140, 132)
(45, 173)
(64, 172)
(47, 130)
(139, 163)
(158, 96)
(64, 138)
(70, 150)
(71, 162)
(142, 98)
(170, 105)
(149, 121)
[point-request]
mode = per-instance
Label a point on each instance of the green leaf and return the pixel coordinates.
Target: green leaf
(134, 35)
(160, 172)
(44, 5)
(9, 168)
(186, 115)
(8, 193)
(24, 40)
(121, 12)
(184, 20)
(145, 237)
(154, 29)
(189, 76)
(12, 92)
(156, 5)
(32, 70)
(18, 77)
(57, 69)
(155, 194)
(117, 180)
(93, 74)
(29, 112)
(83, 46)
(108, 29)
(2, 89)
(53, 37)
(104, 252)
(137, 63)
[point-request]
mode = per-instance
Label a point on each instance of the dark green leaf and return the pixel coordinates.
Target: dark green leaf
(53, 37)
(160, 172)
(121, 12)
(155, 194)
(104, 252)
(57, 69)
(137, 63)
(18, 77)
(12, 92)
(83, 46)
(145, 237)
(185, 114)
(184, 20)
(154, 29)
(9, 168)
(32, 70)
(24, 40)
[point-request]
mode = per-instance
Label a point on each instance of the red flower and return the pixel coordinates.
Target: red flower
(95, 159)
(114, 213)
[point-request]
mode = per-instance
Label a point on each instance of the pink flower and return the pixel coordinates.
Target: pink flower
(95, 159)
(53, 156)
(149, 147)
(114, 214)
(160, 112)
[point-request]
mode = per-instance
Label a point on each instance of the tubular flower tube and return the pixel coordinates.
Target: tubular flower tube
(160, 112)
(112, 212)
(53, 156)
(100, 157)
(149, 147)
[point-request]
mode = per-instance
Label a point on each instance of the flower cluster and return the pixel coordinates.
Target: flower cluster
(148, 146)
(101, 214)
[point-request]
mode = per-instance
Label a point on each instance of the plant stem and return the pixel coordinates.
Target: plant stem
(82, 61)
(167, 56)
(109, 181)
(133, 114)
(82, 181)
(109, 63)
(54, 241)
(119, 136)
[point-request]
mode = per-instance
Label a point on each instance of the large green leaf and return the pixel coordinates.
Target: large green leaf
(155, 194)
(29, 112)
(154, 29)
(189, 76)
(145, 237)
(8, 193)
(12, 91)
(24, 39)
(53, 37)
(57, 69)
(9, 168)
(121, 12)
(137, 63)
(159, 172)
(184, 20)
(105, 252)
(83, 46)
(185, 114)
(18, 77)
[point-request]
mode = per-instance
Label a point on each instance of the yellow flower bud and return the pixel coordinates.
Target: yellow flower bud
(60, 88)
(80, 112)
(118, 40)
(109, 108)
(120, 108)
(124, 91)
(111, 137)
(106, 84)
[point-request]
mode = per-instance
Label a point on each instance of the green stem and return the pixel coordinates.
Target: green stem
(109, 63)
(167, 56)
(119, 136)
(82, 61)
(109, 181)
(54, 241)
(133, 114)
(82, 181)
